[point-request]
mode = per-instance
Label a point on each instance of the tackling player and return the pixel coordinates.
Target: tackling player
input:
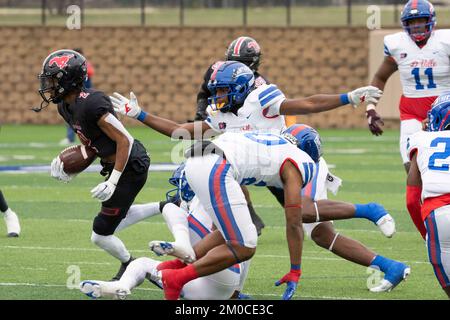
(237, 106)
(422, 56)
(189, 224)
(11, 219)
(428, 186)
(125, 161)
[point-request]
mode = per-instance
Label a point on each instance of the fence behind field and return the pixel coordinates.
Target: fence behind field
(165, 66)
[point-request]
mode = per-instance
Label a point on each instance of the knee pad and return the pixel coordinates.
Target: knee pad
(103, 227)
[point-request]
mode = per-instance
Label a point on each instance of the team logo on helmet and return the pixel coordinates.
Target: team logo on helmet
(60, 61)
(254, 45)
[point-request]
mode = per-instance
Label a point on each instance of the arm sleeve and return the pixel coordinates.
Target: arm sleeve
(202, 96)
(414, 207)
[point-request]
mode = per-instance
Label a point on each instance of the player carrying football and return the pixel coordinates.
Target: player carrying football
(428, 186)
(124, 159)
(422, 56)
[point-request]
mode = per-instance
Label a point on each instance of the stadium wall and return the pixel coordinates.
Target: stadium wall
(164, 66)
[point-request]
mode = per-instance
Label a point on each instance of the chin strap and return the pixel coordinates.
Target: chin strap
(44, 104)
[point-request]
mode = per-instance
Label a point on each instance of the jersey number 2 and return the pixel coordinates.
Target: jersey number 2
(428, 72)
(439, 155)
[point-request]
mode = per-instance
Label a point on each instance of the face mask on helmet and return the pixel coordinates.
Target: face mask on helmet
(182, 190)
(49, 90)
(306, 138)
(439, 115)
(237, 79)
(414, 10)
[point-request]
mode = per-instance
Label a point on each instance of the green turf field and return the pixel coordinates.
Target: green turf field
(275, 16)
(56, 223)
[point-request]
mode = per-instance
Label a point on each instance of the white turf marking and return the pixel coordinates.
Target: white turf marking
(49, 285)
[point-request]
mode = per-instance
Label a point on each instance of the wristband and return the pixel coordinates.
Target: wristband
(142, 115)
(344, 98)
(295, 267)
(115, 176)
(370, 106)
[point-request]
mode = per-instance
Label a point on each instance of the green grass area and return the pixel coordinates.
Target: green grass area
(57, 218)
(276, 16)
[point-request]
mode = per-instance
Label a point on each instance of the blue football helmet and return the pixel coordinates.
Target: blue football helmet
(182, 189)
(439, 115)
(306, 139)
(235, 76)
(415, 9)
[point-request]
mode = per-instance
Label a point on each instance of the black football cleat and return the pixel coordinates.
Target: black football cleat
(122, 269)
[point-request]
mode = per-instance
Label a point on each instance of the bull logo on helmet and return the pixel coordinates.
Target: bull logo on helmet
(60, 61)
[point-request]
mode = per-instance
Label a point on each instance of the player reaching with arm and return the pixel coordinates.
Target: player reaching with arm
(125, 161)
(421, 55)
(243, 108)
(428, 187)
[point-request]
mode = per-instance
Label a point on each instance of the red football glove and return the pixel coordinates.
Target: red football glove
(291, 279)
(375, 122)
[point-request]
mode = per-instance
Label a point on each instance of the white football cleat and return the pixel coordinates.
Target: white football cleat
(12, 223)
(393, 277)
(387, 225)
(98, 289)
(162, 248)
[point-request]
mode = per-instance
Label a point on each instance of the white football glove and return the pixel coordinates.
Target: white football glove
(57, 171)
(126, 107)
(369, 94)
(103, 191)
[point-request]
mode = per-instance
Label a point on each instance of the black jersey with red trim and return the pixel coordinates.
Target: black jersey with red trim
(204, 93)
(83, 115)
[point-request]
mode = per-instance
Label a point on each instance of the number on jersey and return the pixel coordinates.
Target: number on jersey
(429, 73)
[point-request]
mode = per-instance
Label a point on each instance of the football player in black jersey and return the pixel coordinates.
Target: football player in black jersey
(124, 159)
(247, 51)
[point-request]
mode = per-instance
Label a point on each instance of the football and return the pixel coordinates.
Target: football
(77, 158)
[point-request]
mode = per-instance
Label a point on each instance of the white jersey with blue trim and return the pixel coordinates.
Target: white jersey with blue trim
(424, 72)
(260, 111)
(433, 160)
(258, 157)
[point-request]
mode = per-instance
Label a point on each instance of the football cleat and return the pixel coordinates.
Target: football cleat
(162, 248)
(103, 289)
(12, 223)
(387, 225)
(395, 274)
(123, 267)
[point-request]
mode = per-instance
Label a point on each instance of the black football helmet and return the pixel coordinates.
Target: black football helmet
(63, 71)
(245, 50)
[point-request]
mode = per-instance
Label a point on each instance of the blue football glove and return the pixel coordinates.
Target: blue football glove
(291, 280)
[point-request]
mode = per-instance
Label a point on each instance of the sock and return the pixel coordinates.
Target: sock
(3, 204)
(370, 211)
(176, 219)
(382, 263)
(174, 280)
(171, 264)
(136, 272)
(113, 245)
(137, 213)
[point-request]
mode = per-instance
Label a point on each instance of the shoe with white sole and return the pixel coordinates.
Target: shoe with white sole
(12, 223)
(162, 248)
(392, 278)
(103, 289)
(387, 225)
